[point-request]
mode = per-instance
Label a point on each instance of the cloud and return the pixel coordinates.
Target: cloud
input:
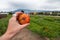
(27, 4)
(10, 5)
(51, 5)
(53, 1)
(21, 5)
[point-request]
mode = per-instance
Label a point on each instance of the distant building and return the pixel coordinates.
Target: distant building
(3, 14)
(50, 13)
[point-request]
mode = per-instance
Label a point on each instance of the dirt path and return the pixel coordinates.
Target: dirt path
(26, 34)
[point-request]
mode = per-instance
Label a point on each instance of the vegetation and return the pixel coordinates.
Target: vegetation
(10, 13)
(46, 26)
(4, 24)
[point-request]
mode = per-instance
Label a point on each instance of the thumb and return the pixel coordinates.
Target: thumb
(25, 25)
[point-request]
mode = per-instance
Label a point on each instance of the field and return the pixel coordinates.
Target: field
(45, 26)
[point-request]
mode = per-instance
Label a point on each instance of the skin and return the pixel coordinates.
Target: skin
(13, 28)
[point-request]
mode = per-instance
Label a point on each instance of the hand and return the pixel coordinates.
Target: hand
(14, 27)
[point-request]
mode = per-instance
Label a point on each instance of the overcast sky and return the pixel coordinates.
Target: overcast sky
(10, 5)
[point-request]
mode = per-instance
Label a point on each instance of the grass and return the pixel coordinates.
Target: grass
(46, 26)
(4, 24)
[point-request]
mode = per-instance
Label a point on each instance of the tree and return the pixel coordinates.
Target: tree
(10, 13)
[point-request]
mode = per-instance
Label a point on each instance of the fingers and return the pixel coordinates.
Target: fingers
(14, 16)
(17, 13)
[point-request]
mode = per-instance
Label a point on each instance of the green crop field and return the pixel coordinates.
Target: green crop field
(46, 26)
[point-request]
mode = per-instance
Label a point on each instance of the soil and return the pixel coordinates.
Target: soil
(26, 34)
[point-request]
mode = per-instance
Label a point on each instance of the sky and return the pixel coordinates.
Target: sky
(11, 5)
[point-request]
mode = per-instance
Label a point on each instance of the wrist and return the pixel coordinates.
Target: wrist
(6, 36)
